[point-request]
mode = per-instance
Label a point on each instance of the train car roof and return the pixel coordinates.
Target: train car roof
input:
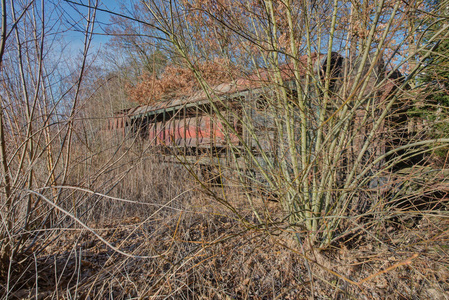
(253, 82)
(261, 78)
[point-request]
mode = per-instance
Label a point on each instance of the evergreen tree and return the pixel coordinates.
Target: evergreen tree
(435, 78)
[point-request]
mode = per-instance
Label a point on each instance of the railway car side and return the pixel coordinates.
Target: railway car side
(241, 119)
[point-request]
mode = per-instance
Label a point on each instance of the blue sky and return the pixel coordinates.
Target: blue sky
(74, 23)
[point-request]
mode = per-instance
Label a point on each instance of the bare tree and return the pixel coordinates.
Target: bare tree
(39, 106)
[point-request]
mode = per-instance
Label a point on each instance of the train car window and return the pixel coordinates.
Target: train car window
(292, 94)
(143, 128)
(261, 103)
(237, 122)
(239, 99)
(190, 112)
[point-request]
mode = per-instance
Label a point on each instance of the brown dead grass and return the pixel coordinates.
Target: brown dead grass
(205, 253)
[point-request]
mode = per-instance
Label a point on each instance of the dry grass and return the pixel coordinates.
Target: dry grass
(200, 250)
(203, 256)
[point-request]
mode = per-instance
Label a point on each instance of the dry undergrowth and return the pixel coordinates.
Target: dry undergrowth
(185, 245)
(202, 252)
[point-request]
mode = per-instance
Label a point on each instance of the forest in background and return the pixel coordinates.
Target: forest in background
(85, 213)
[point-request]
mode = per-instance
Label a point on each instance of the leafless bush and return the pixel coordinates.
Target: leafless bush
(38, 111)
(336, 102)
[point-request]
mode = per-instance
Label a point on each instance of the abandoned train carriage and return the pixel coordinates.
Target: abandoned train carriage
(194, 127)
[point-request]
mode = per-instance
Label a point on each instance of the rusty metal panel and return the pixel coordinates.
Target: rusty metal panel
(190, 139)
(197, 129)
(204, 130)
(159, 134)
(151, 132)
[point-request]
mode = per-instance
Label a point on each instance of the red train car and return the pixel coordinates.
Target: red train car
(213, 128)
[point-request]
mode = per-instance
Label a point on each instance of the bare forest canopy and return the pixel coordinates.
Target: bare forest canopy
(221, 38)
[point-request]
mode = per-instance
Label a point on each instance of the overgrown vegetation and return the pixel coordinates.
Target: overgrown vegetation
(343, 197)
(178, 81)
